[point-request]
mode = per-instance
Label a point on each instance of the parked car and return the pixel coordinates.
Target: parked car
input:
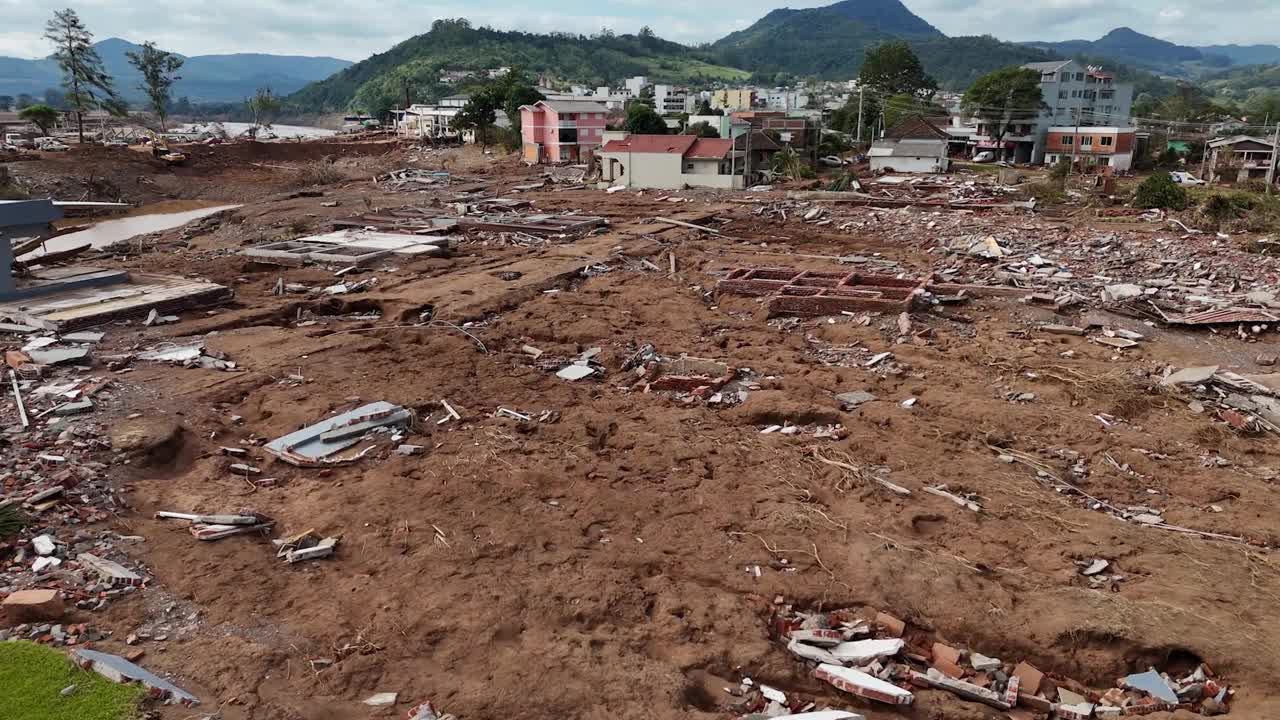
(831, 161)
(985, 156)
(1185, 178)
(51, 144)
(17, 141)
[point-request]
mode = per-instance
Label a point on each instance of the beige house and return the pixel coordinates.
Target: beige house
(670, 162)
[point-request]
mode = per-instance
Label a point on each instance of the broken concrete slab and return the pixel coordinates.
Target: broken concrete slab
(310, 446)
(812, 652)
(820, 637)
(84, 336)
(1151, 683)
(1028, 677)
(861, 652)
(43, 545)
(113, 572)
(118, 669)
(861, 684)
(822, 715)
(1062, 329)
(1190, 376)
(1121, 291)
(966, 690)
(575, 372)
(382, 699)
(851, 400)
(324, 548)
(57, 356)
(24, 606)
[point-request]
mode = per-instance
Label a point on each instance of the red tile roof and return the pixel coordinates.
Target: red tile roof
(665, 144)
(710, 148)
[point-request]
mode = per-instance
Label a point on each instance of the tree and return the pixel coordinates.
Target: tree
(642, 120)
(479, 114)
(6, 102)
(702, 129)
(84, 77)
(1003, 96)
(515, 91)
(158, 69)
(42, 116)
(262, 107)
(1159, 191)
(1259, 108)
(704, 108)
(24, 100)
(892, 68)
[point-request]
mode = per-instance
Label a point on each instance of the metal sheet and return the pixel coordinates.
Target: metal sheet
(308, 446)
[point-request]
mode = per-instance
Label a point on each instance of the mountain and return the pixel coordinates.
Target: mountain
(829, 42)
(379, 82)
(1246, 54)
(204, 78)
(1131, 47)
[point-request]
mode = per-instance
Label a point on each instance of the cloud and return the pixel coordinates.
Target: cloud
(340, 29)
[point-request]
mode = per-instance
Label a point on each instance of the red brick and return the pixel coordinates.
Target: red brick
(946, 653)
(946, 667)
(892, 625)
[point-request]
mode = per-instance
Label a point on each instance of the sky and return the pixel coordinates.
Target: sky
(355, 30)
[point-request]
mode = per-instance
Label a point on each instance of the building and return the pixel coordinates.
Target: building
(668, 100)
(736, 99)
(670, 162)
(914, 145)
(432, 122)
(790, 130)
(784, 99)
(1091, 146)
(635, 85)
(561, 131)
(1240, 158)
(1074, 94)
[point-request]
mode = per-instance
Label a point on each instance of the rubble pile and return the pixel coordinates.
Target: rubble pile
(878, 657)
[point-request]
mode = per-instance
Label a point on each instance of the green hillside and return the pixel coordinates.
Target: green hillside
(378, 83)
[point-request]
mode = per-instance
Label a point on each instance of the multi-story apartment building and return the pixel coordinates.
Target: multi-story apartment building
(1073, 94)
(669, 100)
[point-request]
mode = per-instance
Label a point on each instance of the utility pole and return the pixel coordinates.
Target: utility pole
(860, 89)
(1271, 166)
(1075, 140)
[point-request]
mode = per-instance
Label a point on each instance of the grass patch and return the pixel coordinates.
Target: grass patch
(32, 678)
(320, 172)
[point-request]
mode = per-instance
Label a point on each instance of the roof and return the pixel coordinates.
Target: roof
(759, 141)
(1236, 140)
(915, 127)
(910, 148)
(571, 106)
(1050, 66)
(709, 148)
(658, 144)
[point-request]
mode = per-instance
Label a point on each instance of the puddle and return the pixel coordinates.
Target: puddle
(149, 219)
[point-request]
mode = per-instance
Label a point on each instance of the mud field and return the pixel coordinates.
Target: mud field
(621, 553)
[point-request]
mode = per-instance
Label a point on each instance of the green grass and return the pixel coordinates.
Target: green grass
(687, 70)
(32, 678)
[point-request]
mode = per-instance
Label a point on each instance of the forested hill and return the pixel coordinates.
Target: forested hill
(378, 83)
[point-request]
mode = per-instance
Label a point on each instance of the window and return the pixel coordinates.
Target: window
(688, 166)
(568, 135)
(1086, 141)
(1107, 141)
(1079, 77)
(1062, 94)
(1068, 140)
(1104, 160)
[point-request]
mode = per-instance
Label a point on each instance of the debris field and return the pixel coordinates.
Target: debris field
(558, 452)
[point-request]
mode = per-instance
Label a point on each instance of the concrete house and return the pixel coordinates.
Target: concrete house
(1240, 158)
(670, 162)
(1091, 146)
(561, 131)
(914, 145)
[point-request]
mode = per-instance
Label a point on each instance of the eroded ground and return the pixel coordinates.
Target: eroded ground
(601, 564)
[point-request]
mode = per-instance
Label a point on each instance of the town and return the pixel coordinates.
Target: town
(834, 369)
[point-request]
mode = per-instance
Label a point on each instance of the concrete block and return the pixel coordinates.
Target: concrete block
(861, 684)
(43, 545)
(33, 606)
(860, 652)
(113, 572)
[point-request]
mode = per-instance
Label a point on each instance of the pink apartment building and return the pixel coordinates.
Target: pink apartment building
(561, 131)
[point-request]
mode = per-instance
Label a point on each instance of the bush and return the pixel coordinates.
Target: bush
(321, 172)
(1050, 191)
(1160, 191)
(1061, 170)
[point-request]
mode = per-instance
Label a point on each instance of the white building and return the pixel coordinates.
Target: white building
(668, 100)
(914, 145)
(636, 84)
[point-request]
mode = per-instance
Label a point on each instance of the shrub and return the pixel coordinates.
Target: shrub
(1160, 191)
(1061, 170)
(1050, 191)
(321, 172)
